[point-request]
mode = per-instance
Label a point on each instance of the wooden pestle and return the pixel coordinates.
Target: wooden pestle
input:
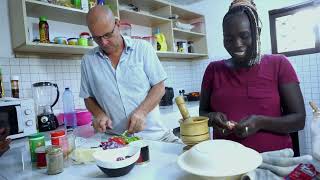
(183, 109)
(314, 106)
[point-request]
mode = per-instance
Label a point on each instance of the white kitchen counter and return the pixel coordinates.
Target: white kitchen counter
(15, 164)
(170, 115)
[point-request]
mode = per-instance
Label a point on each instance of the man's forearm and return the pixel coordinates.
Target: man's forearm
(93, 106)
(153, 98)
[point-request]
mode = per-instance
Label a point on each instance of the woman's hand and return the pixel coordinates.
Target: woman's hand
(220, 123)
(247, 126)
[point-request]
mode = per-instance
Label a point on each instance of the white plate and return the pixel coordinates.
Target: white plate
(219, 158)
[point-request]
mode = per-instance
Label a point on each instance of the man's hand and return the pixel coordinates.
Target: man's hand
(102, 122)
(136, 121)
(4, 143)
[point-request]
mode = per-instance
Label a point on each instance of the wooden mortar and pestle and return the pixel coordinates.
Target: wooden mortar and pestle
(193, 130)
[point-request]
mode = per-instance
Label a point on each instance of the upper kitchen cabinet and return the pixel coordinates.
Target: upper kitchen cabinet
(181, 28)
(63, 22)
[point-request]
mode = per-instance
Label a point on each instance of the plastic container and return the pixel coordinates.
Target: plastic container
(152, 40)
(35, 141)
(60, 40)
(85, 35)
(199, 27)
(83, 117)
(83, 42)
(125, 29)
(73, 41)
(69, 118)
(44, 30)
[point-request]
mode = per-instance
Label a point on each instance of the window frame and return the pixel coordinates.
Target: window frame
(276, 13)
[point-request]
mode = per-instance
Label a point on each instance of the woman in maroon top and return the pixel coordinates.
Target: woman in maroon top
(252, 99)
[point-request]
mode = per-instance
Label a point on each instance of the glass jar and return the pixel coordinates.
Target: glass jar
(54, 157)
(15, 86)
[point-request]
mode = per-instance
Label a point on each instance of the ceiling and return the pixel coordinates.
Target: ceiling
(184, 2)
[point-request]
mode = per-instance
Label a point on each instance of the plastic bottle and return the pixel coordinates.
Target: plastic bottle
(69, 117)
(315, 131)
(44, 30)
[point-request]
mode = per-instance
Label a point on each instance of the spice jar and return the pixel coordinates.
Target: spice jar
(15, 86)
(35, 140)
(54, 158)
(59, 138)
(41, 157)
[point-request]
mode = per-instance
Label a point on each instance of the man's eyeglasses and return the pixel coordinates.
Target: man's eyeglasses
(106, 36)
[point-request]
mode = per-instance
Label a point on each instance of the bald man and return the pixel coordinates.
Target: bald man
(122, 80)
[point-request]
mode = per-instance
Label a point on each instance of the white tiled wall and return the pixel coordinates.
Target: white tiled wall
(66, 73)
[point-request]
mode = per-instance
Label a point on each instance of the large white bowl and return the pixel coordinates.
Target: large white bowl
(219, 159)
(106, 160)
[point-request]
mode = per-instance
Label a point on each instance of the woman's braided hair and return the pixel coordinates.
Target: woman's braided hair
(248, 8)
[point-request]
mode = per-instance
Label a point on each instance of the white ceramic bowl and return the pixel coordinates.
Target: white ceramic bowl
(106, 160)
(218, 159)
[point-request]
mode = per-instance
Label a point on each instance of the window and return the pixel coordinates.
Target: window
(295, 30)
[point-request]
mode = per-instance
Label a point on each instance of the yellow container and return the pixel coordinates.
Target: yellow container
(195, 139)
(194, 130)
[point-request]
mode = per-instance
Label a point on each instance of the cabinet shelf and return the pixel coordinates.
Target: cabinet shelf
(153, 14)
(141, 18)
(183, 34)
(53, 48)
(55, 12)
(177, 55)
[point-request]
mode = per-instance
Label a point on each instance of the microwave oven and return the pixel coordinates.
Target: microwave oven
(19, 116)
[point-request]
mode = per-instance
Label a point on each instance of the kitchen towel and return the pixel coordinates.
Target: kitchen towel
(276, 165)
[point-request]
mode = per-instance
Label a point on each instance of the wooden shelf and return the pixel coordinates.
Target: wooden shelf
(53, 48)
(177, 55)
(185, 14)
(55, 12)
(141, 18)
(183, 34)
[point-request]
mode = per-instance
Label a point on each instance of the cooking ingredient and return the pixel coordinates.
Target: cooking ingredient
(110, 145)
(54, 160)
(15, 86)
(35, 140)
(83, 155)
(118, 140)
(44, 30)
(231, 124)
(119, 159)
(41, 157)
(58, 138)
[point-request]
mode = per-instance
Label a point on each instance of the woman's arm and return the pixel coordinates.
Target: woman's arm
(293, 120)
(216, 119)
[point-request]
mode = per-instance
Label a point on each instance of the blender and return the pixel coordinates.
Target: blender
(46, 95)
